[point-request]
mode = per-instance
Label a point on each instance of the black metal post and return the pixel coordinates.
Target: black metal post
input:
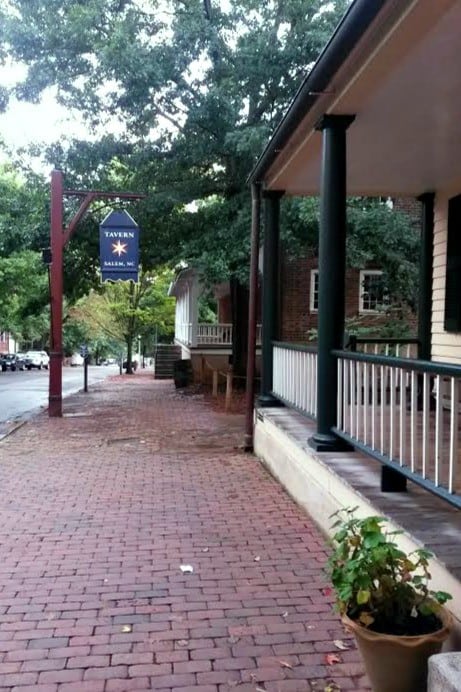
(332, 273)
(425, 276)
(270, 294)
(85, 373)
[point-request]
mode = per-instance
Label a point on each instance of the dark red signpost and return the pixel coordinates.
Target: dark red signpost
(60, 236)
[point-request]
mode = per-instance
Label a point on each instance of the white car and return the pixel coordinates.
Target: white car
(37, 359)
(76, 359)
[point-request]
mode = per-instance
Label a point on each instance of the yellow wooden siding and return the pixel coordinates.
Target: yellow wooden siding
(446, 346)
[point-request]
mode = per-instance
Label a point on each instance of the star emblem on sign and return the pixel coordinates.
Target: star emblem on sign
(119, 248)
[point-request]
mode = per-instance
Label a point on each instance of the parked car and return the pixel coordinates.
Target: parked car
(7, 361)
(20, 361)
(37, 359)
(76, 359)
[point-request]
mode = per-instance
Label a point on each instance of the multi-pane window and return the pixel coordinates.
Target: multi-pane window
(372, 296)
(314, 296)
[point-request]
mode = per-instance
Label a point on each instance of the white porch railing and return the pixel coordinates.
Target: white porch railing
(406, 413)
(214, 334)
(401, 411)
(295, 376)
(217, 334)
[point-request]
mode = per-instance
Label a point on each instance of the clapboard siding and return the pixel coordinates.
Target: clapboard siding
(446, 346)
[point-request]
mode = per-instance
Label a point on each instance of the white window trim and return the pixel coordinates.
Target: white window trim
(363, 273)
(314, 273)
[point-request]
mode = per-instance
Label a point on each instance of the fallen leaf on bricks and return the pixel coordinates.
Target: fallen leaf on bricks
(233, 639)
(126, 628)
(261, 689)
(332, 687)
(332, 658)
(205, 550)
(182, 642)
(257, 558)
(327, 591)
(285, 664)
(341, 645)
(285, 614)
(186, 569)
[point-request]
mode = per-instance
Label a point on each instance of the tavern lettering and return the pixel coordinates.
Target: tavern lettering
(119, 234)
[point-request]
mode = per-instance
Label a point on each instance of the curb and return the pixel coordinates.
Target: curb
(12, 430)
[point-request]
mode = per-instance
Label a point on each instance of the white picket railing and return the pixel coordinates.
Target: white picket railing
(214, 334)
(294, 378)
(218, 334)
(404, 411)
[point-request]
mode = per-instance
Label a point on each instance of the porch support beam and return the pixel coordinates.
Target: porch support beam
(332, 275)
(270, 293)
(425, 276)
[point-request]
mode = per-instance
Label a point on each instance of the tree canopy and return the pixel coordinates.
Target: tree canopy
(196, 88)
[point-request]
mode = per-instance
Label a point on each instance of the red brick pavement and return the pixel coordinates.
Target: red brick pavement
(98, 512)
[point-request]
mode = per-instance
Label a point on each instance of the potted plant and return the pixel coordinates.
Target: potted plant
(383, 596)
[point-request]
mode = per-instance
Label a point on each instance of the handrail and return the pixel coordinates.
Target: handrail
(382, 340)
(429, 366)
(295, 347)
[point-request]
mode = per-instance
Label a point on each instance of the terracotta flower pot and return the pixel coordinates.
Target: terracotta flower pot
(398, 663)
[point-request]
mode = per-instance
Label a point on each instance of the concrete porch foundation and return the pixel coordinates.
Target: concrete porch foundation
(322, 483)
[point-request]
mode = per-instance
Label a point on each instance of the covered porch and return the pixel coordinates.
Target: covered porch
(378, 115)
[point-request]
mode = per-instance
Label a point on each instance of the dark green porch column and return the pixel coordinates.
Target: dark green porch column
(270, 293)
(425, 276)
(332, 273)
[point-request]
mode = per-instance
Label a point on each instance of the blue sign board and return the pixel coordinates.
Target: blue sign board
(119, 247)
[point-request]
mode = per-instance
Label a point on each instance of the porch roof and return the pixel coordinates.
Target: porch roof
(396, 68)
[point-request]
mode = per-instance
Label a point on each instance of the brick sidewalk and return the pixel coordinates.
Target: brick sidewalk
(100, 508)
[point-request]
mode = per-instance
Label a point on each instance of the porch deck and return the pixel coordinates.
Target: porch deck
(429, 519)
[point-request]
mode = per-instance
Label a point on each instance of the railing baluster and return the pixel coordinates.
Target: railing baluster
(426, 396)
(413, 419)
(365, 402)
(438, 428)
(352, 397)
(374, 403)
(453, 459)
(358, 401)
(339, 400)
(392, 384)
(346, 395)
(403, 416)
(383, 396)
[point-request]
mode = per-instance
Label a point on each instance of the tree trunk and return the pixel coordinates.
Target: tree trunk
(239, 306)
(129, 357)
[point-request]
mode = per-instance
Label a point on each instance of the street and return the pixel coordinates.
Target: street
(23, 392)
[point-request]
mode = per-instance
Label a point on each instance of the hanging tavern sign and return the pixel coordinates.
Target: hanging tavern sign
(119, 247)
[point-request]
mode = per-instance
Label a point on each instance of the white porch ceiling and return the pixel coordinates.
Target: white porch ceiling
(406, 96)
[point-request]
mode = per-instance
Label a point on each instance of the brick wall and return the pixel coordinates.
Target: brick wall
(297, 318)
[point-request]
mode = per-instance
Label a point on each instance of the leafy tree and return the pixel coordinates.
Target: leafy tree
(122, 311)
(23, 285)
(197, 88)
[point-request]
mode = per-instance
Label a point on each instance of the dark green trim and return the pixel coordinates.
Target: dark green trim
(295, 347)
(403, 470)
(332, 274)
(429, 366)
(383, 340)
(336, 121)
(425, 275)
(356, 21)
